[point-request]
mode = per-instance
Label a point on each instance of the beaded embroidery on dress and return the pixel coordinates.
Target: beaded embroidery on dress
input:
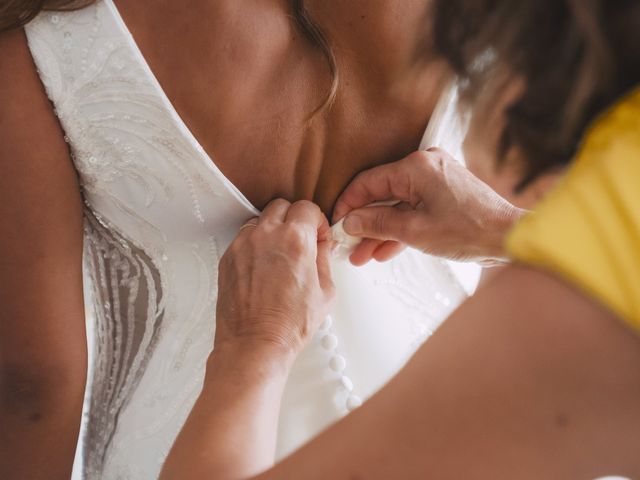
(158, 216)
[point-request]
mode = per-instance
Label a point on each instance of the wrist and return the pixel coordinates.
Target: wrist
(257, 360)
(502, 221)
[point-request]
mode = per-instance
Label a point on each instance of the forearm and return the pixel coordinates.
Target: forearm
(275, 289)
(232, 430)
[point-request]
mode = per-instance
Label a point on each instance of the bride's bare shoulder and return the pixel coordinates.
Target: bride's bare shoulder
(15, 61)
(21, 92)
(28, 124)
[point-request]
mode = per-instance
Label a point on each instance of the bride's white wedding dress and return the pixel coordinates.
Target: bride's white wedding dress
(159, 214)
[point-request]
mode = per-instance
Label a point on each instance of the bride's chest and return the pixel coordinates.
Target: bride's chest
(176, 140)
(251, 94)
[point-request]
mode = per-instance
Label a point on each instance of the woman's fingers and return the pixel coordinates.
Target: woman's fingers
(308, 216)
(388, 250)
(275, 281)
(393, 181)
(363, 253)
(381, 251)
(381, 223)
(307, 213)
(368, 187)
(445, 210)
(391, 248)
(275, 211)
(248, 226)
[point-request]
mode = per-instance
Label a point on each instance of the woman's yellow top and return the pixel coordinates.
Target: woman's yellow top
(588, 229)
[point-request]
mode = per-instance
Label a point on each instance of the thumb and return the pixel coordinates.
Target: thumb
(381, 223)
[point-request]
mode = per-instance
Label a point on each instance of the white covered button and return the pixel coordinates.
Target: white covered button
(353, 402)
(329, 341)
(338, 363)
(347, 383)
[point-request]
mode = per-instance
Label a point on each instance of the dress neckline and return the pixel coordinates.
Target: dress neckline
(175, 116)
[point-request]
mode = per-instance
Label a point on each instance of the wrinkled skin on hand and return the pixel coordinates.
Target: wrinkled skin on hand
(275, 285)
(443, 210)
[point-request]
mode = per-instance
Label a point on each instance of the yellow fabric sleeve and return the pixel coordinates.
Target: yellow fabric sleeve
(588, 229)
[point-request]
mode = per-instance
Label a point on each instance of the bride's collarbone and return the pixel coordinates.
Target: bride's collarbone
(247, 90)
(295, 153)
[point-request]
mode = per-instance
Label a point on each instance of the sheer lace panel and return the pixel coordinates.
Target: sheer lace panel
(129, 311)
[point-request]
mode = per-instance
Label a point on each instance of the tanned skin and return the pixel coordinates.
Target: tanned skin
(384, 101)
(530, 378)
(246, 82)
(43, 357)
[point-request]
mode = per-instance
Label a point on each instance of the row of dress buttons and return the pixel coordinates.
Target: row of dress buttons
(338, 363)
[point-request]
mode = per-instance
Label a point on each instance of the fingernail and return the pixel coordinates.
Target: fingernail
(353, 225)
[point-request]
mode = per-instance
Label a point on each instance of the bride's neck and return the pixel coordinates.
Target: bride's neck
(388, 38)
(387, 74)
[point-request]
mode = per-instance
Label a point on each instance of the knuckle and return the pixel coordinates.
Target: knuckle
(419, 161)
(279, 202)
(432, 160)
(307, 205)
(420, 157)
(438, 157)
(379, 223)
(360, 176)
(265, 229)
(296, 241)
(362, 179)
(436, 151)
(310, 210)
(234, 250)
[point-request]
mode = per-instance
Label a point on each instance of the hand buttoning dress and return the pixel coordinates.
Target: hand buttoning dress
(158, 216)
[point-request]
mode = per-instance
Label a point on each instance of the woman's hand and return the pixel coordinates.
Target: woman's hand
(274, 292)
(275, 284)
(445, 211)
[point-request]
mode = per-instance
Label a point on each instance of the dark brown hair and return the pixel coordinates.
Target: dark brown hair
(575, 58)
(15, 13)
